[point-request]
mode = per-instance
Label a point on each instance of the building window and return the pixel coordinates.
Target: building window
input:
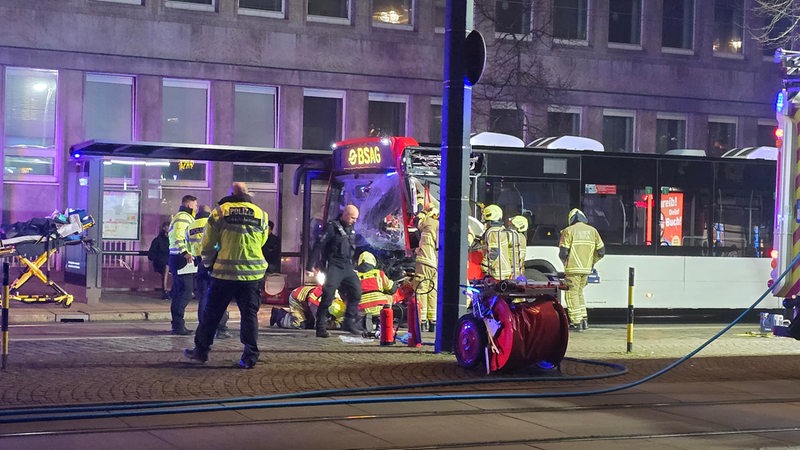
(30, 124)
(185, 111)
(728, 26)
(259, 176)
(387, 115)
(435, 132)
(108, 107)
(677, 25)
(322, 118)
(197, 5)
(766, 133)
(392, 12)
(670, 133)
(507, 121)
(512, 17)
(254, 116)
(721, 135)
(618, 131)
(564, 122)
(185, 173)
(128, 2)
(440, 9)
(569, 19)
(325, 10)
(269, 8)
(624, 21)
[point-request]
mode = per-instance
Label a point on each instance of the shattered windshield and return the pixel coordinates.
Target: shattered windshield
(377, 196)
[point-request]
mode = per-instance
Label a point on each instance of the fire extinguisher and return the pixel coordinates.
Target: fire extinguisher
(387, 325)
(414, 332)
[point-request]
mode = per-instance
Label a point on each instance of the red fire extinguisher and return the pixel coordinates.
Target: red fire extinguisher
(387, 325)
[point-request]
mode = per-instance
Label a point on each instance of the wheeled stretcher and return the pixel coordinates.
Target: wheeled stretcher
(513, 324)
(32, 243)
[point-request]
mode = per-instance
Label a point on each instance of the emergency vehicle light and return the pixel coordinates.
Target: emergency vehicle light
(773, 254)
(779, 101)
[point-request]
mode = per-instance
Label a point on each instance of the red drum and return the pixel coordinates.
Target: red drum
(275, 292)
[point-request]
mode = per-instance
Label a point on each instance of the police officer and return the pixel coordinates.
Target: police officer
(231, 250)
(580, 247)
(497, 246)
(334, 253)
(194, 237)
(179, 258)
(426, 264)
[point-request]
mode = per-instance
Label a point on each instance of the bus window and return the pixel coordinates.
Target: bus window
(743, 207)
(684, 207)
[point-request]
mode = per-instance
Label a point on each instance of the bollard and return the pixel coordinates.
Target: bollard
(5, 314)
(630, 309)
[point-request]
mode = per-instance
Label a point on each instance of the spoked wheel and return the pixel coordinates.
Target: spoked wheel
(470, 341)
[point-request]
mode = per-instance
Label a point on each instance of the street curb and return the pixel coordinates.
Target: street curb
(25, 317)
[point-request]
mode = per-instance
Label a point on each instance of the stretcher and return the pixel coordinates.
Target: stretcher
(512, 324)
(33, 243)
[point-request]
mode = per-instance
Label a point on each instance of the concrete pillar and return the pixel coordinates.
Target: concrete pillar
(419, 117)
(290, 114)
(148, 108)
(356, 114)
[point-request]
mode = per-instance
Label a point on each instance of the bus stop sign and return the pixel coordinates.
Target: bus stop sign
(474, 57)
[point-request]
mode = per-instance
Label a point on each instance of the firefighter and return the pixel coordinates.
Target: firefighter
(519, 225)
(497, 246)
(376, 287)
(231, 250)
(194, 235)
(426, 265)
(179, 258)
(580, 247)
(334, 253)
(303, 304)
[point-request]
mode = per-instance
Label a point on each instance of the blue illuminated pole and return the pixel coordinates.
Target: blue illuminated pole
(454, 201)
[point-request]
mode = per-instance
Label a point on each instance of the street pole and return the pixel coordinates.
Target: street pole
(454, 201)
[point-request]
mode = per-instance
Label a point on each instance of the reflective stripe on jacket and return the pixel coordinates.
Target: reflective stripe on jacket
(177, 232)
(194, 235)
(583, 247)
(428, 236)
(239, 228)
(376, 289)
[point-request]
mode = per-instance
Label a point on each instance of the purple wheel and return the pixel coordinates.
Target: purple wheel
(470, 341)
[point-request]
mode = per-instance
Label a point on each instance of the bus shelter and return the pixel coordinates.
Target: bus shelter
(132, 188)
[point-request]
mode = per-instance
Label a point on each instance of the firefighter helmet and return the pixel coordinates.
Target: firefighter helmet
(367, 257)
(520, 223)
(492, 213)
(576, 215)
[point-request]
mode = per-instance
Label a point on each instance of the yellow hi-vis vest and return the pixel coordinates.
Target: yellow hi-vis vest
(177, 232)
(583, 243)
(194, 235)
(239, 229)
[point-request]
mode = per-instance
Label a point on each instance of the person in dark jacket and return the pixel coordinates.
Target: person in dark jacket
(333, 254)
(272, 250)
(158, 254)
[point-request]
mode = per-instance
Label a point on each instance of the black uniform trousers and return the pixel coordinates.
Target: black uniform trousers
(248, 297)
(346, 280)
(181, 293)
(201, 282)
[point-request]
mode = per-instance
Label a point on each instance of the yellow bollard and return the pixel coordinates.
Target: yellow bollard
(6, 300)
(630, 309)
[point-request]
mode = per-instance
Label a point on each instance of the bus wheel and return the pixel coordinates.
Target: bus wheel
(470, 341)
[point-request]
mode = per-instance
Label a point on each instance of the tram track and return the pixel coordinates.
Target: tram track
(307, 419)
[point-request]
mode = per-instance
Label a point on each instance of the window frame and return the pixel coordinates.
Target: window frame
(412, 23)
(566, 109)
(329, 19)
(743, 29)
(681, 50)
(525, 35)
(726, 120)
(245, 11)
(626, 113)
(110, 78)
(391, 98)
(179, 4)
(675, 117)
(574, 42)
(264, 90)
(627, 45)
(327, 93)
(190, 83)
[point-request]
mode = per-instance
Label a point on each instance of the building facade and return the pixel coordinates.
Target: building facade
(639, 75)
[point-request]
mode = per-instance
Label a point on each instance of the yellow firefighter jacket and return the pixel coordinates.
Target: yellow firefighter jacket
(583, 248)
(428, 237)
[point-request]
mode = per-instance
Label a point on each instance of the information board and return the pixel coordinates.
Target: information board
(121, 212)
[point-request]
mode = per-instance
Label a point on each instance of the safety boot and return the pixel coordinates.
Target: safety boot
(322, 332)
(584, 324)
(353, 327)
(432, 326)
(196, 355)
